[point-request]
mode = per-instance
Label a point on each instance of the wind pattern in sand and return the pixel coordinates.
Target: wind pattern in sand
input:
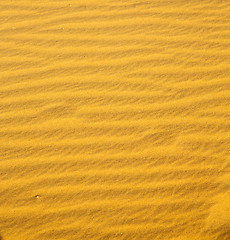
(115, 120)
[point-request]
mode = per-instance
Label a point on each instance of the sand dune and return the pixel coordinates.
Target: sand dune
(114, 120)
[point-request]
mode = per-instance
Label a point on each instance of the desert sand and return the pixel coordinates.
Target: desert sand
(115, 120)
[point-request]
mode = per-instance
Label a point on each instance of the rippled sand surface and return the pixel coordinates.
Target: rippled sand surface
(115, 120)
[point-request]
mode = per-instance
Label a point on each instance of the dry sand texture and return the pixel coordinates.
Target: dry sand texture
(114, 119)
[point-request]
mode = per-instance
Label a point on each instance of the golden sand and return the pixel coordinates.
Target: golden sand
(114, 120)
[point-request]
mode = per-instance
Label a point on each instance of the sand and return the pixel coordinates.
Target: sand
(114, 120)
